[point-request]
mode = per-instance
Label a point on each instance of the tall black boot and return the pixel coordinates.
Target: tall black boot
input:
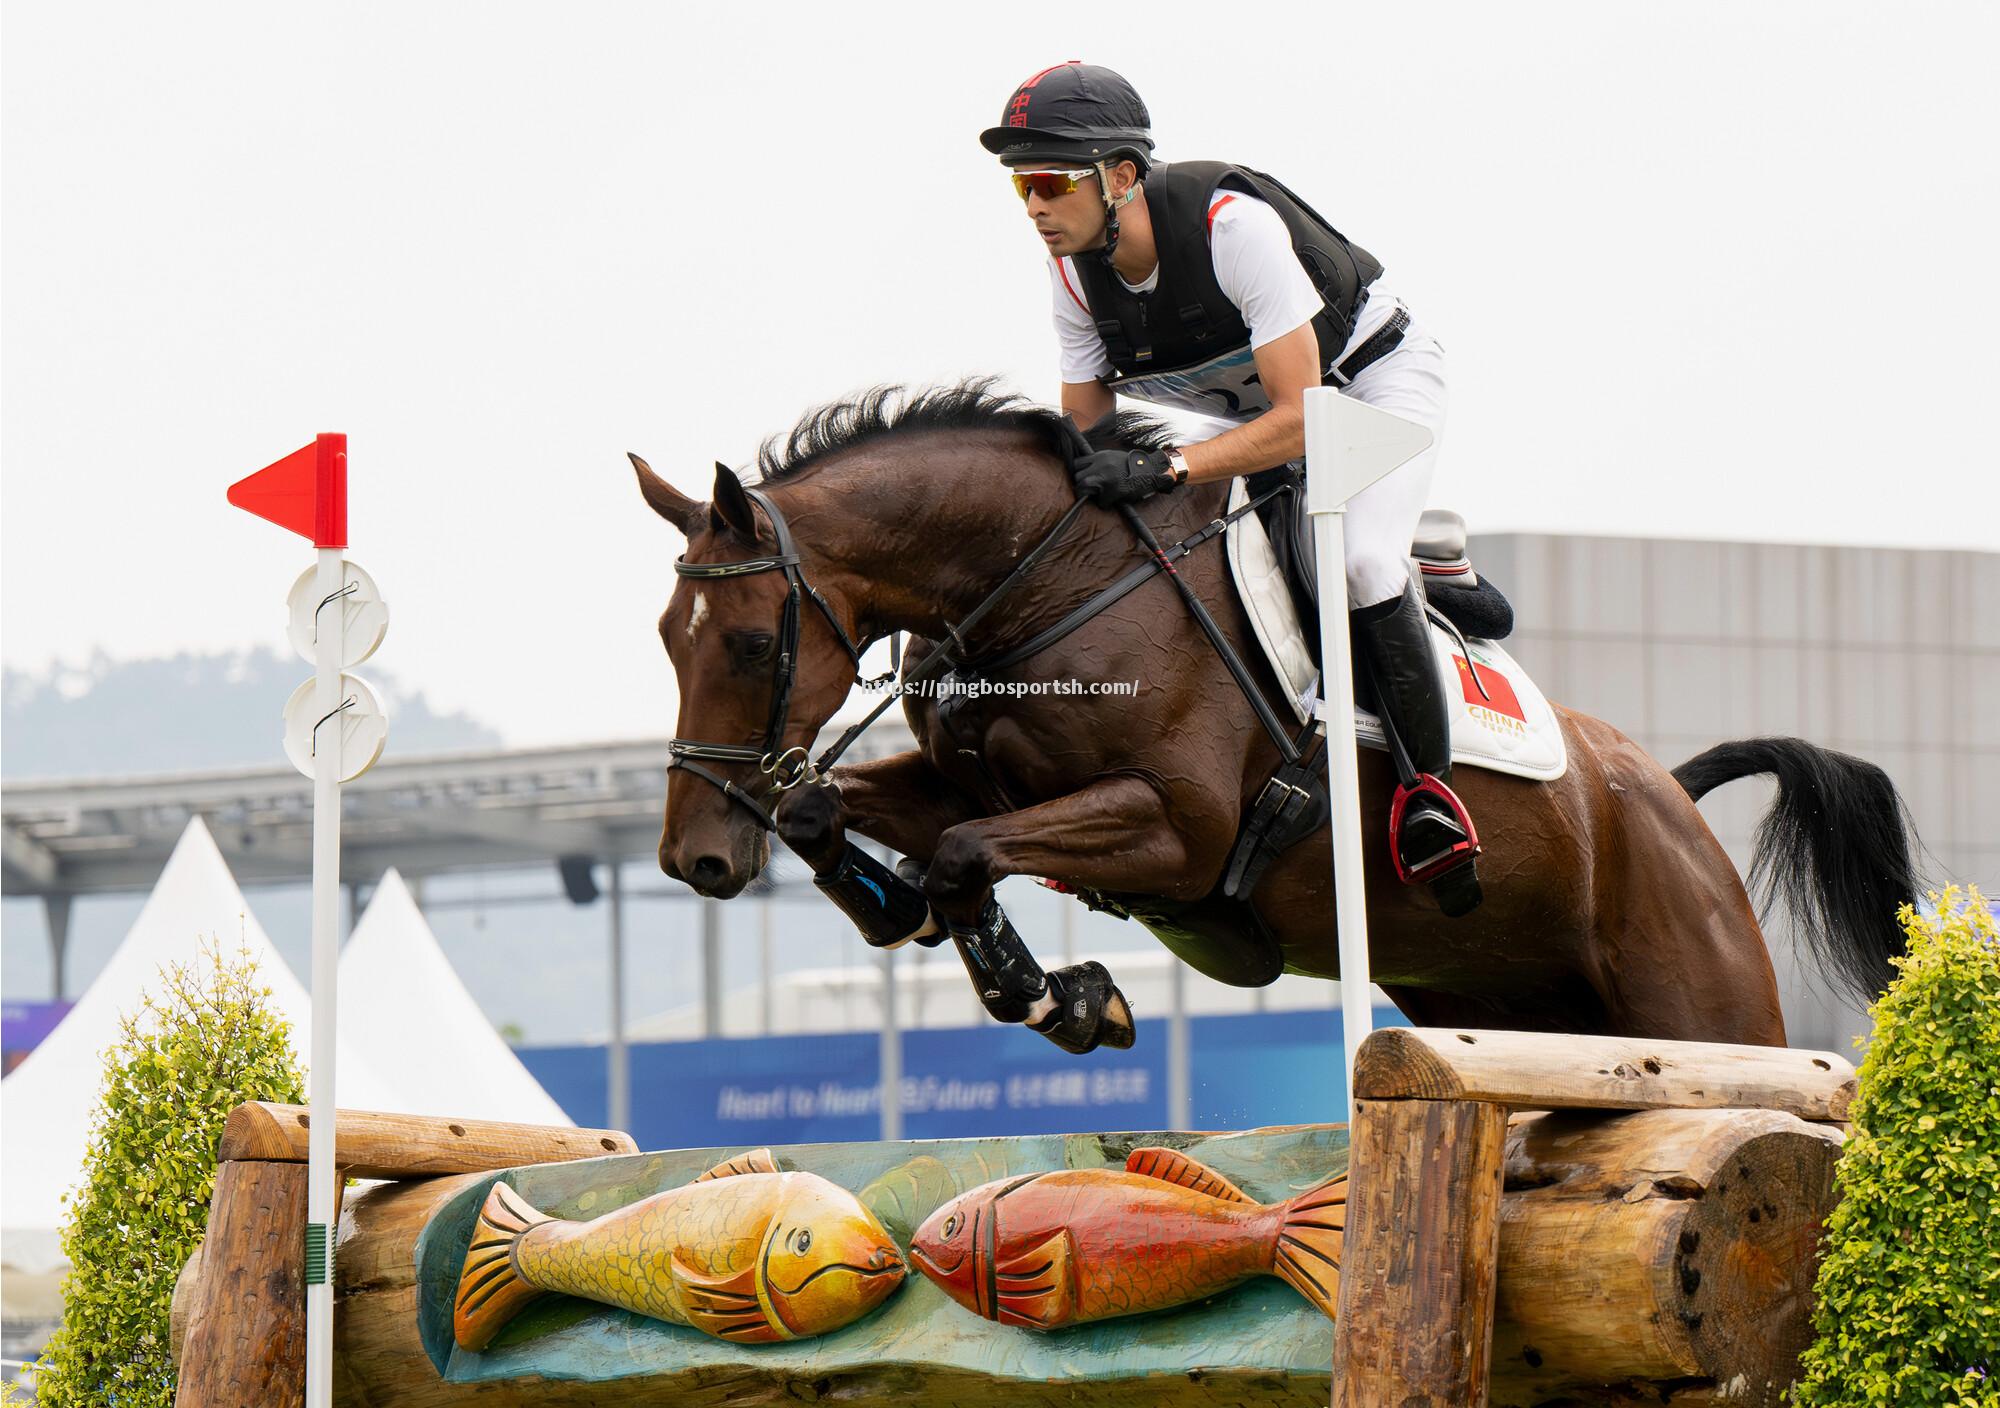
(1434, 838)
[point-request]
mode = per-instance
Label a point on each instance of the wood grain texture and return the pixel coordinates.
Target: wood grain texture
(1661, 1245)
(1530, 1070)
(372, 1145)
(1423, 1235)
(245, 1345)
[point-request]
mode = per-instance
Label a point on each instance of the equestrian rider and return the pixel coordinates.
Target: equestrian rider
(1211, 288)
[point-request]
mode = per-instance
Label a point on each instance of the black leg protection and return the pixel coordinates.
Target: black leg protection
(1089, 1012)
(885, 907)
(1003, 972)
(1396, 636)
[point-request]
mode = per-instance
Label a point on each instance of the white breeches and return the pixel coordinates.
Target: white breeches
(1382, 519)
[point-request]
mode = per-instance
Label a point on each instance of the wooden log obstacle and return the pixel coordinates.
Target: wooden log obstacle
(239, 1321)
(1531, 1220)
(1678, 1242)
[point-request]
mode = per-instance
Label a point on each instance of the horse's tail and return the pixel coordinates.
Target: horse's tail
(1835, 848)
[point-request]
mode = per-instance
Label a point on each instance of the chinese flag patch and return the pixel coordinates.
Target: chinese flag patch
(1499, 695)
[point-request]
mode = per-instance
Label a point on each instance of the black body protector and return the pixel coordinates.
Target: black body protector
(1185, 344)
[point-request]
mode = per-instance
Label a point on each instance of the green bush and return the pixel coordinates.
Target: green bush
(1908, 1299)
(206, 1041)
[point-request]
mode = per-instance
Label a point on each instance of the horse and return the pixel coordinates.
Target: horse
(1609, 906)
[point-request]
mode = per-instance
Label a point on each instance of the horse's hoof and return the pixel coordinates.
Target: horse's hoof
(1090, 1011)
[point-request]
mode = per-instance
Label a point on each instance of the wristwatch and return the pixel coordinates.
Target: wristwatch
(1177, 466)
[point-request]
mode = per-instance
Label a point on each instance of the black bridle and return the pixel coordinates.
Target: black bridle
(786, 767)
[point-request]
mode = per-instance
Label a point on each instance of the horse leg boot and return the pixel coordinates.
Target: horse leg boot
(1078, 1008)
(887, 909)
(1433, 838)
(1114, 834)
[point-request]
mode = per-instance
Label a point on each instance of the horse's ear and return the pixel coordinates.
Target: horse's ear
(731, 506)
(667, 501)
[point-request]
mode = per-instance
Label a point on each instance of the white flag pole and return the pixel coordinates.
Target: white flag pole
(328, 656)
(1349, 445)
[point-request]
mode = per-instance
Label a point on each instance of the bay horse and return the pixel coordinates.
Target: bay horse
(1609, 906)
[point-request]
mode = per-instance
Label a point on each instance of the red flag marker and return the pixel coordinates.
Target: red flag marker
(306, 491)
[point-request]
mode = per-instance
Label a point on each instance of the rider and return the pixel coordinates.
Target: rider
(1212, 288)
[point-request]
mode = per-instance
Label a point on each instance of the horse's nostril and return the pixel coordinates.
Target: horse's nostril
(708, 872)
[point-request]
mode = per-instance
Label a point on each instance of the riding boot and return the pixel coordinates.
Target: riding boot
(1434, 838)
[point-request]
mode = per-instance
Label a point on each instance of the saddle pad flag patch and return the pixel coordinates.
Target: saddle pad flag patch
(1499, 695)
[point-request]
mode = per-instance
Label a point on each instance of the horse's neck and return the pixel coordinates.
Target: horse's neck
(938, 545)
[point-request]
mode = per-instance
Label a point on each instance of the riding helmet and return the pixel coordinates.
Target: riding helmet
(1073, 112)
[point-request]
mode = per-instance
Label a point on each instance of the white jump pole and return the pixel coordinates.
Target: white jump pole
(327, 736)
(334, 730)
(1349, 445)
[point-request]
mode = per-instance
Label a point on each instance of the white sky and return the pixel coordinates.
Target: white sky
(1711, 270)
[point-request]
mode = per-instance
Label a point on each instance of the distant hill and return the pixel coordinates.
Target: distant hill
(183, 712)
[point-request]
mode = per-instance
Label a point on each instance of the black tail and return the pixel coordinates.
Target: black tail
(1835, 848)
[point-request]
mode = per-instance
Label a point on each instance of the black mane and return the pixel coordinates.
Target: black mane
(972, 404)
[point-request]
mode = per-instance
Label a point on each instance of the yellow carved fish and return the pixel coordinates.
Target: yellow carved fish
(746, 1253)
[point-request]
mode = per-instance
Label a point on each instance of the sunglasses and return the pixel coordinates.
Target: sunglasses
(1048, 184)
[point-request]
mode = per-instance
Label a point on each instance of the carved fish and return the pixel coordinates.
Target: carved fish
(745, 1253)
(1053, 1249)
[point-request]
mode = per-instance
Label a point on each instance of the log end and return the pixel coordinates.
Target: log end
(262, 1131)
(1746, 1258)
(1397, 1063)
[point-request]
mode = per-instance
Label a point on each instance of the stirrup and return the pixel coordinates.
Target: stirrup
(1461, 852)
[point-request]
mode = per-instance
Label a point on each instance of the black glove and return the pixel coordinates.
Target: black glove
(1114, 477)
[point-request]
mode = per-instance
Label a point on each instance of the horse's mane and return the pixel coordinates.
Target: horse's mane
(969, 405)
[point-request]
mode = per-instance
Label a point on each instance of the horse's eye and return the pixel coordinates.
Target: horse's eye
(755, 648)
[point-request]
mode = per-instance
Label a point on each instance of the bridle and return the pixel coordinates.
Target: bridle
(786, 767)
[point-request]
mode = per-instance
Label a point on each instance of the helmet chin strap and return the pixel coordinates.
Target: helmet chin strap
(1112, 205)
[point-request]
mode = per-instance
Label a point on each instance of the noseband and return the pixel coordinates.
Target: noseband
(786, 767)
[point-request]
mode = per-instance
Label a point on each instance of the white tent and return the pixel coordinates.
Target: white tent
(399, 993)
(47, 1103)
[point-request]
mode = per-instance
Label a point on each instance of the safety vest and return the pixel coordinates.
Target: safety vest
(1184, 343)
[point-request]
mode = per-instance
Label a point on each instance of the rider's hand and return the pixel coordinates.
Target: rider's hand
(1114, 477)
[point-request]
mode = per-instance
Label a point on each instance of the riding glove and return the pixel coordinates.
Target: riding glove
(1114, 477)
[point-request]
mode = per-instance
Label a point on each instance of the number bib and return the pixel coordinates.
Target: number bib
(1225, 387)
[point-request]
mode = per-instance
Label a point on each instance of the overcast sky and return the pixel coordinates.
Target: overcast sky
(1711, 270)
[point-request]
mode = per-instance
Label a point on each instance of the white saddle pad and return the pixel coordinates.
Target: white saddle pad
(1506, 726)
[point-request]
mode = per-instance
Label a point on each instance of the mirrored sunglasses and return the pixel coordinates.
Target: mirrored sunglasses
(1048, 184)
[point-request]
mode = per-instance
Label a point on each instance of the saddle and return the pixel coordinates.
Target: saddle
(1451, 586)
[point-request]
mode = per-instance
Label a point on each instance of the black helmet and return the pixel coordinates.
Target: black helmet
(1073, 112)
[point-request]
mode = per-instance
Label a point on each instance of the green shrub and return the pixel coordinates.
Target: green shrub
(206, 1041)
(1908, 1299)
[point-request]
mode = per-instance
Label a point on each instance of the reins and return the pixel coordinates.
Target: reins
(788, 767)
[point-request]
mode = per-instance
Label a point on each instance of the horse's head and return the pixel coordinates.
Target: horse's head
(760, 668)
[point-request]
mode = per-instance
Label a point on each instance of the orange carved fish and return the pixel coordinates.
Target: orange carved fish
(745, 1253)
(1054, 1249)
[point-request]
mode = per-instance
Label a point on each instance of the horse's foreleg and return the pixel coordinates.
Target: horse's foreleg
(1114, 832)
(917, 805)
(1112, 835)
